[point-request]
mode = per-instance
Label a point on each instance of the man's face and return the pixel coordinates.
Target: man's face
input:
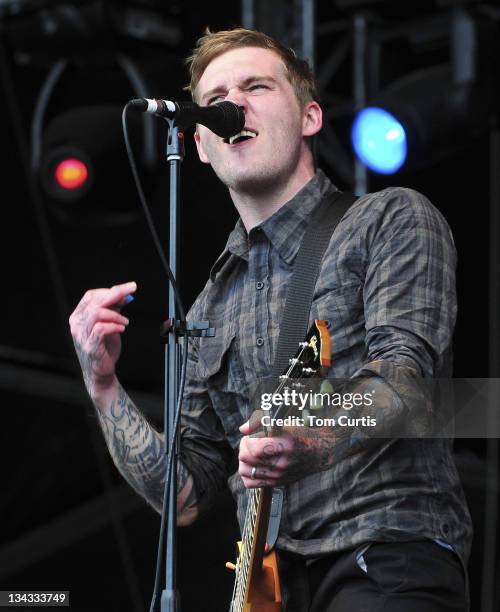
(255, 79)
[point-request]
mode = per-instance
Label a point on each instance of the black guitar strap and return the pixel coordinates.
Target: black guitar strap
(295, 320)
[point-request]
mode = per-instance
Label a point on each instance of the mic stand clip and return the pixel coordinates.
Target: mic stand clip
(193, 329)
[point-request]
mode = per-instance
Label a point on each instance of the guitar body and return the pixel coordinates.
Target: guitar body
(261, 591)
(264, 593)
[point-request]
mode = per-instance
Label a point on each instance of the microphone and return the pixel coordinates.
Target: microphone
(224, 118)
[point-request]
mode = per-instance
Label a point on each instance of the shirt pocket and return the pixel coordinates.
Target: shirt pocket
(218, 360)
(219, 369)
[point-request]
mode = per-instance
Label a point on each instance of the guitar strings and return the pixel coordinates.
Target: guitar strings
(243, 562)
(286, 378)
(254, 498)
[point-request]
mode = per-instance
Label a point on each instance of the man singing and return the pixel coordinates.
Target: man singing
(381, 526)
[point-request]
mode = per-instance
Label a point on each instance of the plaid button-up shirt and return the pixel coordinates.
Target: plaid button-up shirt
(387, 287)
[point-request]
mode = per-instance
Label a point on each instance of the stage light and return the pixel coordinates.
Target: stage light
(84, 169)
(379, 140)
(71, 173)
(419, 119)
(67, 173)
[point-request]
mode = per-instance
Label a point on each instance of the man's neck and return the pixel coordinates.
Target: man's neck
(254, 208)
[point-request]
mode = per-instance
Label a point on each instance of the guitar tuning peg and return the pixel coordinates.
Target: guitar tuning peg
(231, 566)
(308, 371)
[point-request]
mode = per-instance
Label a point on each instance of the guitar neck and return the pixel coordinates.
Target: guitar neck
(259, 535)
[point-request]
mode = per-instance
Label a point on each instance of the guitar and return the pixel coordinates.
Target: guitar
(257, 587)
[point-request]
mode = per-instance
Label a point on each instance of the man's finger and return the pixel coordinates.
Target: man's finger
(104, 315)
(264, 451)
(117, 295)
(114, 297)
(266, 448)
(254, 423)
(101, 330)
(259, 471)
(109, 315)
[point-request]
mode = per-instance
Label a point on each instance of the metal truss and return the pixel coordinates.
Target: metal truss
(292, 23)
(352, 43)
(295, 25)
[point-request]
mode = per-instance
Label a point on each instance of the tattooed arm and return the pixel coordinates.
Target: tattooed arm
(294, 452)
(137, 449)
(138, 452)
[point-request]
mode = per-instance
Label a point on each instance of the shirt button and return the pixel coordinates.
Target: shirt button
(259, 285)
(260, 341)
(445, 528)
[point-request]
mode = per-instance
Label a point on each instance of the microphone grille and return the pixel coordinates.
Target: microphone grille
(234, 118)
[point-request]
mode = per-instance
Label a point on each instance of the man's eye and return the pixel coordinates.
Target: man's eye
(258, 86)
(214, 99)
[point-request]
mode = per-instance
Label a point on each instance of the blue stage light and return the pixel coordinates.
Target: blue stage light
(379, 140)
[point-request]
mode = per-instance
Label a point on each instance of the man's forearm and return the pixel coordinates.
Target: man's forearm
(318, 448)
(138, 451)
(399, 407)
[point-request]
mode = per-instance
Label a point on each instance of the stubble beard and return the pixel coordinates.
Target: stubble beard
(258, 180)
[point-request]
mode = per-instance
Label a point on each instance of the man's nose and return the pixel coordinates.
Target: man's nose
(237, 97)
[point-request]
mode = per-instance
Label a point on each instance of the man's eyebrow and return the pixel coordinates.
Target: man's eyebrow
(251, 79)
(211, 92)
(244, 83)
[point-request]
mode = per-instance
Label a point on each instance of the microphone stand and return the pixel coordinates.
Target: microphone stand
(175, 155)
(173, 329)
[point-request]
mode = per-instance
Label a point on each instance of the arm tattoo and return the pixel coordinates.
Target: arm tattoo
(88, 363)
(138, 451)
(185, 484)
(323, 447)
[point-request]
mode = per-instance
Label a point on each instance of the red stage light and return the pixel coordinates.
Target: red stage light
(71, 173)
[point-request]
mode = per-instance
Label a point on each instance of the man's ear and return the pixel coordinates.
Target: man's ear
(201, 152)
(312, 120)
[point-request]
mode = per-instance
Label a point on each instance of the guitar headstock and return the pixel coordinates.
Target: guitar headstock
(314, 353)
(313, 356)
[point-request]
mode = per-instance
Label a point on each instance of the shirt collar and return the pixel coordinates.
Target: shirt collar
(236, 246)
(284, 229)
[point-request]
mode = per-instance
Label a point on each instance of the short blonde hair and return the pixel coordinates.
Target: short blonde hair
(213, 44)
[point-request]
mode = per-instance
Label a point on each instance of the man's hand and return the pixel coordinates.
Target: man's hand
(286, 457)
(96, 325)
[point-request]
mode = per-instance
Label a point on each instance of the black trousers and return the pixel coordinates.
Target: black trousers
(387, 577)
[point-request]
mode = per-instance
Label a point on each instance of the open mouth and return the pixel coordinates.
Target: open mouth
(245, 134)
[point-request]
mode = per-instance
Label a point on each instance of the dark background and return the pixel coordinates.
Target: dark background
(68, 520)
